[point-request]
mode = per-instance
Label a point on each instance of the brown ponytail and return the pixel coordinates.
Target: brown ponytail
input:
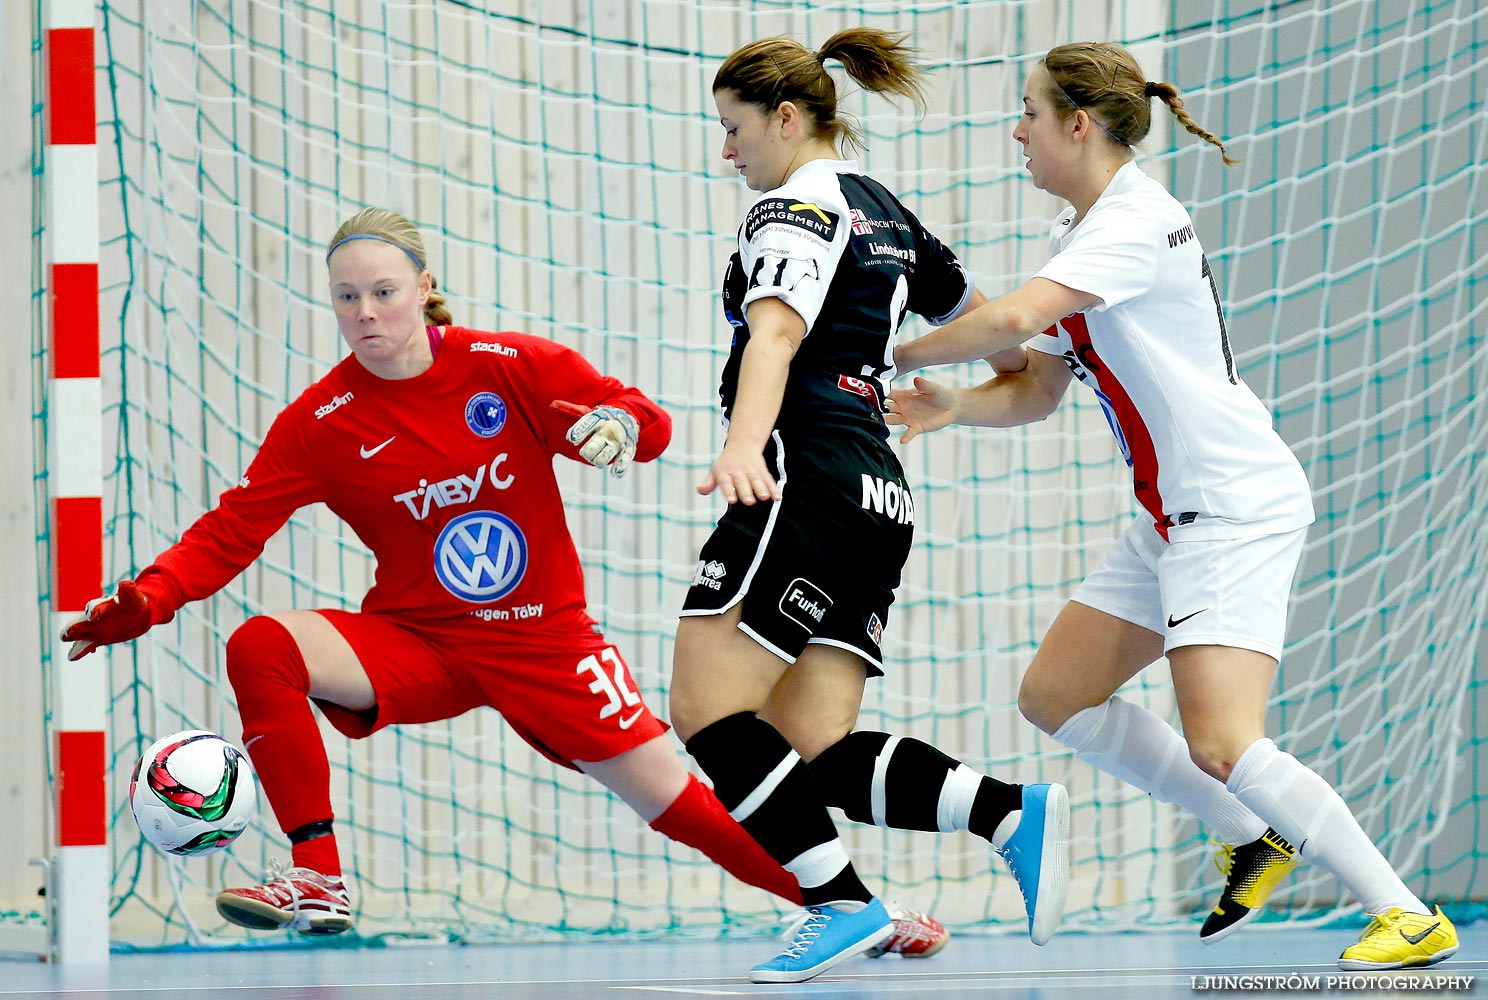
(774, 70)
(1168, 94)
(1105, 80)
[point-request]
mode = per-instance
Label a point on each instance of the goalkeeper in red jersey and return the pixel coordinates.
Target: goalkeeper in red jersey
(435, 444)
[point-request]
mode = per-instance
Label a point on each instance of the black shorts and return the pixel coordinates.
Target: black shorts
(821, 564)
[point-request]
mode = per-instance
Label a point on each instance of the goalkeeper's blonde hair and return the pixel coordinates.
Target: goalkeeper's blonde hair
(390, 227)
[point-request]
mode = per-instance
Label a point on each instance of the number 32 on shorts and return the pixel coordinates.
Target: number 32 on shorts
(614, 684)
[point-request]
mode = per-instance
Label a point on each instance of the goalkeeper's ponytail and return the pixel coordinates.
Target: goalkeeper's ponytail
(435, 312)
(389, 227)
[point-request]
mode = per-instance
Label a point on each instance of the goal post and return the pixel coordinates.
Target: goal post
(562, 162)
(78, 868)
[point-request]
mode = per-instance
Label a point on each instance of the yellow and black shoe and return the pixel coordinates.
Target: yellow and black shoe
(1251, 872)
(1399, 939)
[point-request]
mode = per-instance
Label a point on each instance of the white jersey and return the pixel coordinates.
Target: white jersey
(1206, 462)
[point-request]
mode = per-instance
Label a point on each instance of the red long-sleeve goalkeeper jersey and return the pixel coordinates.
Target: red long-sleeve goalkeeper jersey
(447, 477)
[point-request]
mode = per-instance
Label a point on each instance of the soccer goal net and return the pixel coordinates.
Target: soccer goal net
(562, 160)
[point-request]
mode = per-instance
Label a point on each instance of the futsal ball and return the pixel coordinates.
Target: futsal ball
(192, 793)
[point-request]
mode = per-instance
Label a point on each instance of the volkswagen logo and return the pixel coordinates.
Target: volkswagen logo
(480, 557)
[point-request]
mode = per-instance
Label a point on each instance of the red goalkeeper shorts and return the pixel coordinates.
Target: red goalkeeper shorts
(571, 701)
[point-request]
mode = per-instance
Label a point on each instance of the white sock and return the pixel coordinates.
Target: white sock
(1133, 744)
(1006, 828)
(1305, 809)
(847, 905)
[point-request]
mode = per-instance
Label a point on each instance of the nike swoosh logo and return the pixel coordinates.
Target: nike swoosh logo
(627, 723)
(1418, 938)
(369, 452)
(253, 741)
(1172, 623)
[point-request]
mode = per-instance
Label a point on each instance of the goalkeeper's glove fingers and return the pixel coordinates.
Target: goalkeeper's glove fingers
(119, 617)
(606, 436)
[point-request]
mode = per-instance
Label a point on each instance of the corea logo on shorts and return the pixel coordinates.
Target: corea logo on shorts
(708, 573)
(481, 556)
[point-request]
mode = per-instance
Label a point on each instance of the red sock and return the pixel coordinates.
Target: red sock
(319, 855)
(281, 736)
(696, 818)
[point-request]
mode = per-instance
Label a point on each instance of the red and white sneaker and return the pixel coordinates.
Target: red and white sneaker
(298, 898)
(916, 935)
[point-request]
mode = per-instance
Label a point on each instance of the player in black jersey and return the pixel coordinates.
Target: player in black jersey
(782, 625)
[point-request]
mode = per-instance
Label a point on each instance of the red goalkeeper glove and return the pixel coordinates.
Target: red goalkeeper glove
(119, 617)
(606, 436)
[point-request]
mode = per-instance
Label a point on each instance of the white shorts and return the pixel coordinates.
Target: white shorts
(1225, 592)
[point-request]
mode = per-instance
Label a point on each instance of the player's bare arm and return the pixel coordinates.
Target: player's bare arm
(1008, 399)
(775, 334)
(1009, 360)
(995, 329)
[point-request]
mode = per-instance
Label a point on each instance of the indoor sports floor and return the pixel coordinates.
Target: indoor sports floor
(1110, 966)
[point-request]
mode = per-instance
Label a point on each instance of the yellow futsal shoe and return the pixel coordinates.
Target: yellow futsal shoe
(1252, 871)
(1399, 939)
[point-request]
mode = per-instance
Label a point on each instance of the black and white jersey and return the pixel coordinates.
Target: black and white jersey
(838, 248)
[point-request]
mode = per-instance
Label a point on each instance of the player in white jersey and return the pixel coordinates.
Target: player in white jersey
(1129, 305)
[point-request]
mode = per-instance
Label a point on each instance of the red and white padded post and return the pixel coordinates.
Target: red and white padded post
(79, 883)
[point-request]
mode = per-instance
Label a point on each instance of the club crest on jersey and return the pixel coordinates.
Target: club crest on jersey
(802, 216)
(480, 557)
(485, 414)
(875, 629)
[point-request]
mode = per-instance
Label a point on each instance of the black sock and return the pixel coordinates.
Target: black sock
(311, 831)
(773, 795)
(911, 782)
(995, 800)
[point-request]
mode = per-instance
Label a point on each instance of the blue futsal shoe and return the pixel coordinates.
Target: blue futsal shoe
(1038, 856)
(826, 937)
